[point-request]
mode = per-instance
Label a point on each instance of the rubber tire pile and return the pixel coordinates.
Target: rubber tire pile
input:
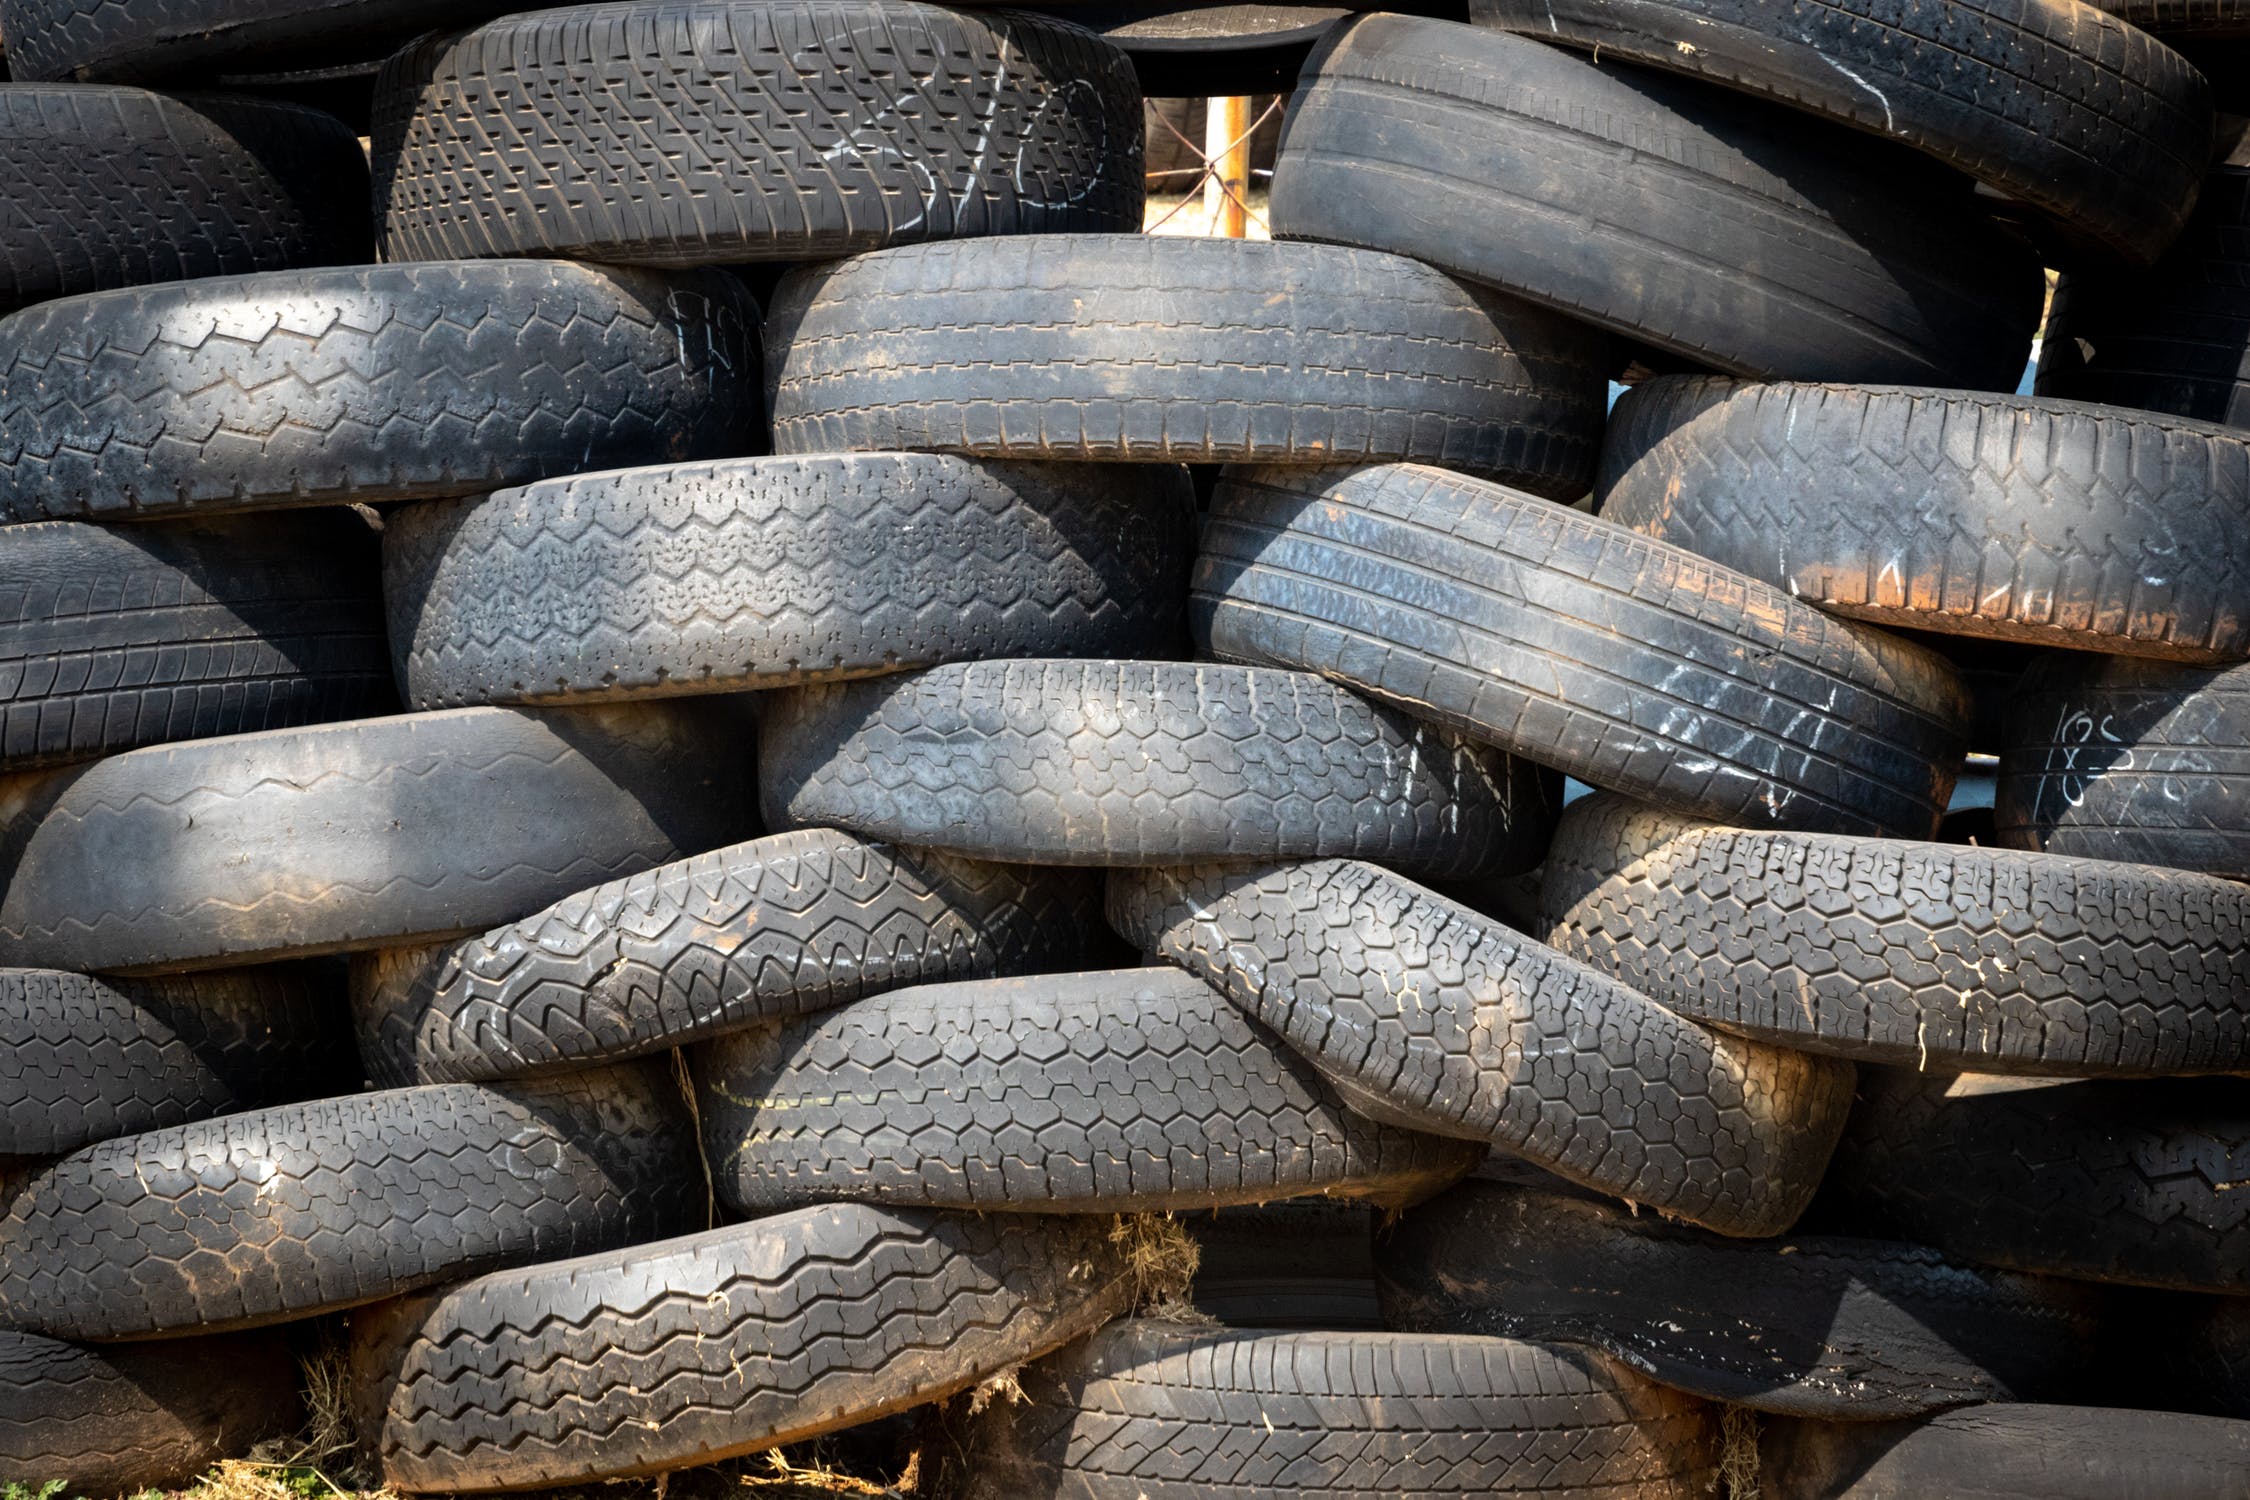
(691, 757)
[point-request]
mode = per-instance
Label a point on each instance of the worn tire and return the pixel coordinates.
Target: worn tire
(1625, 662)
(355, 835)
(769, 572)
(98, 41)
(112, 187)
(2188, 19)
(873, 123)
(1128, 1091)
(1143, 763)
(366, 383)
(1719, 228)
(117, 639)
(1937, 956)
(742, 936)
(1425, 1015)
(1052, 347)
(720, 1344)
(2009, 517)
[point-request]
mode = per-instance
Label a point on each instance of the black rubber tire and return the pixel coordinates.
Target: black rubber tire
(742, 936)
(1156, 1411)
(85, 1060)
(366, 383)
(1144, 763)
(1721, 228)
(1052, 347)
(1125, 1091)
(873, 123)
(769, 572)
(1815, 1326)
(111, 187)
(2005, 517)
(1188, 51)
(284, 1213)
(2187, 19)
(2124, 760)
(125, 1421)
(2091, 122)
(1300, 1263)
(2208, 1347)
(1936, 956)
(2137, 1183)
(1423, 1014)
(356, 835)
(1622, 661)
(113, 640)
(722, 1343)
(100, 41)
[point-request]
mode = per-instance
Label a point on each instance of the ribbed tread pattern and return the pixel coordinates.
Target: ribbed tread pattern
(2181, 18)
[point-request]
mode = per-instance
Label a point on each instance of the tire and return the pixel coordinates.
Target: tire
(742, 936)
(1130, 1091)
(93, 40)
(1142, 763)
(2008, 1453)
(2190, 19)
(2114, 1182)
(124, 1421)
(769, 572)
(1624, 662)
(285, 1213)
(1422, 1014)
(1719, 228)
(2001, 517)
(2209, 1345)
(355, 835)
(2091, 122)
(365, 383)
(1919, 955)
(1815, 1326)
(112, 187)
(119, 639)
(2109, 759)
(1049, 347)
(720, 1344)
(1151, 1411)
(1301, 1263)
(1194, 52)
(85, 1060)
(874, 124)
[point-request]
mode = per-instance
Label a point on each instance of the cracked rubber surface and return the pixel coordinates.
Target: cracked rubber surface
(872, 123)
(1154, 1411)
(366, 383)
(85, 1060)
(766, 572)
(1052, 347)
(1423, 1014)
(1815, 1325)
(284, 1213)
(722, 1343)
(1623, 661)
(1721, 228)
(145, 40)
(753, 933)
(1922, 955)
(1143, 763)
(356, 835)
(1132, 1090)
(117, 639)
(2008, 517)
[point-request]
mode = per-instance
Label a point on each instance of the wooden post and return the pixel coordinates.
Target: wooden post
(1226, 143)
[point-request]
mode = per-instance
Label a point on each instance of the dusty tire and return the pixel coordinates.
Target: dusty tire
(355, 835)
(515, 138)
(1425, 1015)
(1719, 228)
(366, 383)
(1143, 763)
(1128, 1091)
(1622, 661)
(113, 187)
(118, 639)
(720, 1344)
(1920, 955)
(741, 936)
(2008, 517)
(97, 41)
(769, 572)
(1051, 347)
